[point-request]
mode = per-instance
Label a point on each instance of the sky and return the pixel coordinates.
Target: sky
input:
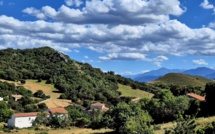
(124, 36)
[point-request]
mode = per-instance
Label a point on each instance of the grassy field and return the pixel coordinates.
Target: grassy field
(63, 131)
(129, 92)
(48, 89)
(201, 123)
(183, 79)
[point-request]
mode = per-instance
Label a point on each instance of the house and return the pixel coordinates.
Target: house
(196, 96)
(17, 97)
(98, 106)
(53, 111)
(24, 120)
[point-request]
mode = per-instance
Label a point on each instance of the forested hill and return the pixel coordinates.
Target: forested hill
(77, 81)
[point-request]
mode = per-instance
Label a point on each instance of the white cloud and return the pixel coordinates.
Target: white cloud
(200, 62)
(212, 25)
(77, 51)
(205, 4)
(86, 57)
(76, 3)
(158, 60)
(113, 12)
(34, 12)
(123, 56)
(118, 42)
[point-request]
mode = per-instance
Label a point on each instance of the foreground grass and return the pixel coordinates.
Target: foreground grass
(201, 123)
(73, 130)
(129, 92)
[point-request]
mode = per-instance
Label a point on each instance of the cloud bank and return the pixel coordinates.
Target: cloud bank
(118, 29)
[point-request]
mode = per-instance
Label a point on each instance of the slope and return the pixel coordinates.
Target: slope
(76, 81)
(183, 79)
(129, 92)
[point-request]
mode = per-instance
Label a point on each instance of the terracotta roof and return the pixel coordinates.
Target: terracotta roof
(25, 114)
(196, 96)
(17, 96)
(105, 109)
(58, 110)
(97, 104)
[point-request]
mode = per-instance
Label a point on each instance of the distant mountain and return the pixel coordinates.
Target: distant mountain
(154, 74)
(183, 79)
(201, 71)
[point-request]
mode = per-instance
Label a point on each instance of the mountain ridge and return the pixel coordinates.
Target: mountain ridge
(155, 74)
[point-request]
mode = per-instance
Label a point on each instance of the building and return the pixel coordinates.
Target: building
(25, 120)
(22, 120)
(98, 106)
(17, 97)
(196, 96)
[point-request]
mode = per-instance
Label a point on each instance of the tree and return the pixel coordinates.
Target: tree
(126, 118)
(22, 81)
(209, 108)
(5, 112)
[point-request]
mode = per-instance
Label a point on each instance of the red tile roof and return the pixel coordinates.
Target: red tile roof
(97, 104)
(58, 110)
(17, 96)
(196, 96)
(25, 114)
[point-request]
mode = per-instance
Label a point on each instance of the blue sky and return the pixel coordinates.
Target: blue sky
(125, 36)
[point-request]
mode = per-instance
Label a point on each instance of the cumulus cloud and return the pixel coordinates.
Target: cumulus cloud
(76, 3)
(119, 42)
(123, 56)
(113, 12)
(158, 60)
(206, 5)
(200, 62)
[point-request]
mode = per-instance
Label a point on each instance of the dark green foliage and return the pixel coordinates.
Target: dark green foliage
(164, 106)
(208, 106)
(5, 112)
(128, 119)
(22, 81)
(40, 94)
(76, 81)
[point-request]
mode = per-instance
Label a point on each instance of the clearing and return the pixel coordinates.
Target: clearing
(129, 92)
(48, 89)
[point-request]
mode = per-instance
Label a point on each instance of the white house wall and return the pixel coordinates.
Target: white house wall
(22, 122)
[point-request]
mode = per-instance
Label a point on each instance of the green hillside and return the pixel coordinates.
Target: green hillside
(76, 81)
(183, 79)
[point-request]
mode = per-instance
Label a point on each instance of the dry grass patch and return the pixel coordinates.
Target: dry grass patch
(48, 89)
(66, 131)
